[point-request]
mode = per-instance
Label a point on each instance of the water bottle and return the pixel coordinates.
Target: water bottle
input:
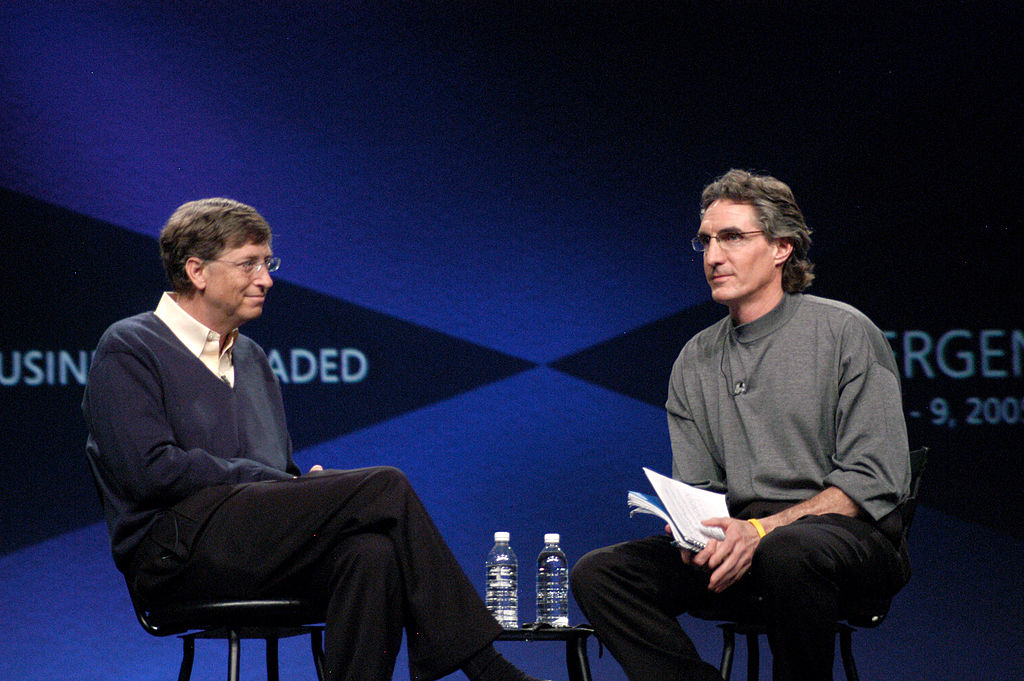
(552, 584)
(502, 594)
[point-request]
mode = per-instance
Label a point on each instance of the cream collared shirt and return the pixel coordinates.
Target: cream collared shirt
(201, 341)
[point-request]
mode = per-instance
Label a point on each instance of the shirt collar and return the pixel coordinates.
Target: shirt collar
(770, 322)
(191, 332)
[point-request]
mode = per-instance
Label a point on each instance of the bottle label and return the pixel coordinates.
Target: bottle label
(502, 598)
(552, 590)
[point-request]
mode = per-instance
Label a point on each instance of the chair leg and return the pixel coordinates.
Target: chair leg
(316, 641)
(754, 653)
(233, 655)
(272, 666)
(576, 659)
(846, 648)
(728, 649)
(188, 655)
(753, 657)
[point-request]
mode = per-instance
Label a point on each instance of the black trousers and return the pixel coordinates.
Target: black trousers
(801, 577)
(358, 541)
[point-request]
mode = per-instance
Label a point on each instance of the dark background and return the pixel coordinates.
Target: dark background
(491, 203)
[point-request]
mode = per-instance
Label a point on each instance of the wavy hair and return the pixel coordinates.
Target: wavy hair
(778, 214)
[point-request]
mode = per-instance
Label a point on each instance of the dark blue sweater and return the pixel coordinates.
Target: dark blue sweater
(162, 426)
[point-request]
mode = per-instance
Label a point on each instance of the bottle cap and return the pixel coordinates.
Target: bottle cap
(501, 536)
(551, 538)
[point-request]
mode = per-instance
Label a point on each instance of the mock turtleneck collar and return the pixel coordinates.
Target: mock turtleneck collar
(768, 323)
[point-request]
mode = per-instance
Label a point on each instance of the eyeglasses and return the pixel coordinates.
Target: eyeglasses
(253, 266)
(728, 239)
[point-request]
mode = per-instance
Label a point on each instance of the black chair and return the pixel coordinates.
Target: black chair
(859, 615)
(269, 619)
(234, 620)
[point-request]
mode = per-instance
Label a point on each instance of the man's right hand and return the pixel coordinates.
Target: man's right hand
(728, 559)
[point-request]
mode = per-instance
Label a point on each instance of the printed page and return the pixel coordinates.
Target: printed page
(688, 506)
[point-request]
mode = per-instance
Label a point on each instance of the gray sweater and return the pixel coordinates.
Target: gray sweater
(803, 398)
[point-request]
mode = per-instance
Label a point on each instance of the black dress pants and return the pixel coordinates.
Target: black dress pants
(801, 575)
(358, 541)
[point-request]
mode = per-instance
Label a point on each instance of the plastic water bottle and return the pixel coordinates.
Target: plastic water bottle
(502, 594)
(552, 584)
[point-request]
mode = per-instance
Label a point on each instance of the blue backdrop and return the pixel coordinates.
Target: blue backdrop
(483, 212)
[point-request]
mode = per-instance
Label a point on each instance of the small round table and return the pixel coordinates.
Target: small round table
(575, 644)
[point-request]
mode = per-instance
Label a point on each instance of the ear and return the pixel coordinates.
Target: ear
(196, 271)
(783, 249)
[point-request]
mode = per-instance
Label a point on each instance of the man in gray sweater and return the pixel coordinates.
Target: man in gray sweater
(791, 406)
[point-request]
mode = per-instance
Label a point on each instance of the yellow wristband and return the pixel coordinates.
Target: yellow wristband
(757, 526)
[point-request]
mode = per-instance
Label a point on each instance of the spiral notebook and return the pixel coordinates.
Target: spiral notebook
(683, 507)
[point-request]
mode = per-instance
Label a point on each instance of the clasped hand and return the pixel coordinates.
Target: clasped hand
(728, 559)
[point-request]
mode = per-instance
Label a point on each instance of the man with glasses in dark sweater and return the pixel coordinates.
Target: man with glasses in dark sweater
(190, 450)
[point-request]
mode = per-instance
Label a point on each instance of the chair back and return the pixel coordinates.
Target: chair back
(871, 613)
(918, 462)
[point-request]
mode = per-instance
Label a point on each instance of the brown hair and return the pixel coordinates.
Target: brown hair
(203, 229)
